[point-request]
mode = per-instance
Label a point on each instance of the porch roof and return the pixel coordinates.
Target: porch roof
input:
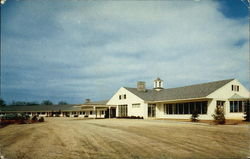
(95, 104)
(237, 97)
(39, 108)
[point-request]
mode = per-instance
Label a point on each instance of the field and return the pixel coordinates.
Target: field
(68, 138)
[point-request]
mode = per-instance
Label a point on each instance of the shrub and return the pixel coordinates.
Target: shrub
(67, 115)
(219, 116)
(247, 111)
(57, 114)
(34, 118)
(195, 116)
(15, 118)
(23, 118)
(10, 117)
(41, 119)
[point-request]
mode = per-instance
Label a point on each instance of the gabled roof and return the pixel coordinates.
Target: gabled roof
(186, 92)
(40, 108)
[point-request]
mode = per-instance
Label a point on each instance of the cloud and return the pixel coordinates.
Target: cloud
(88, 49)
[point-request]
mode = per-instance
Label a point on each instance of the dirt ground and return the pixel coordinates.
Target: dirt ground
(68, 138)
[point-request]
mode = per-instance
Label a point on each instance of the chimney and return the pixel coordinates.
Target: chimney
(141, 86)
(87, 100)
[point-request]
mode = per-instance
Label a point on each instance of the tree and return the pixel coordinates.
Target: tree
(247, 111)
(195, 116)
(46, 102)
(2, 102)
(62, 103)
(219, 116)
(23, 103)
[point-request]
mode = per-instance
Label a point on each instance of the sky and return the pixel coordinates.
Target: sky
(78, 49)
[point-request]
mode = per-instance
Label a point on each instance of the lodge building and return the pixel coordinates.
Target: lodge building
(169, 103)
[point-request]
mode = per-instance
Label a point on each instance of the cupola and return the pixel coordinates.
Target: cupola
(158, 84)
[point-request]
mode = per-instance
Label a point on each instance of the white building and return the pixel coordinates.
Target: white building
(171, 103)
(179, 103)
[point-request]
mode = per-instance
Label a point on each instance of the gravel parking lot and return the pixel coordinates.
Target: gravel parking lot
(68, 138)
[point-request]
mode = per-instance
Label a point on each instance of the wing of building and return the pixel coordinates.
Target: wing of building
(179, 103)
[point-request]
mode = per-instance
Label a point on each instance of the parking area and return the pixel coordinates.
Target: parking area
(123, 138)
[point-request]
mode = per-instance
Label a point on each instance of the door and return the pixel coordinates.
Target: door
(151, 110)
(112, 113)
(220, 104)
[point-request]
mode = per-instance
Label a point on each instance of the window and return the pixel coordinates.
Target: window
(220, 103)
(137, 105)
(198, 107)
(170, 109)
(82, 113)
(231, 106)
(204, 107)
(240, 106)
(122, 110)
(91, 112)
(181, 108)
(191, 108)
(123, 96)
(102, 111)
(166, 109)
(175, 108)
(236, 106)
(186, 108)
(151, 110)
(236, 88)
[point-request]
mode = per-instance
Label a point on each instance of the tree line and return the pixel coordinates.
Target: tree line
(24, 103)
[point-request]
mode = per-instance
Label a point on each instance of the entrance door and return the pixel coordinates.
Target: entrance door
(220, 104)
(151, 110)
(112, 113)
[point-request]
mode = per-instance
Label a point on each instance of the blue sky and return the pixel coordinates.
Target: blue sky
(73, 50)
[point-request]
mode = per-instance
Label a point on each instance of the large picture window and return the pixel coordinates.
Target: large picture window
(186, 108)
(236, 106)
(122, 110)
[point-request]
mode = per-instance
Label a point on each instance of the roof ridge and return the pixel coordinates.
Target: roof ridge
(203, 83)
(191, 84)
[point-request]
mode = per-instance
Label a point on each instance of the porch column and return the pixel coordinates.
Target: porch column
(95, 112)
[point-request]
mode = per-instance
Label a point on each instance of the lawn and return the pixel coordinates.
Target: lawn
(69, 138)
